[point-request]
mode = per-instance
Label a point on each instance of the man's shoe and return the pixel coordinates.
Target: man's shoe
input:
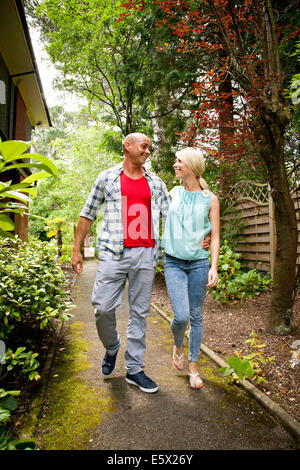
(108, 363)
(142, 381)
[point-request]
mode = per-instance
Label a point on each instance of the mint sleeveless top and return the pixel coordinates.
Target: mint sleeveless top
(187, 224)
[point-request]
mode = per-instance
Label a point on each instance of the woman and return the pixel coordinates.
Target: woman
(193, 213)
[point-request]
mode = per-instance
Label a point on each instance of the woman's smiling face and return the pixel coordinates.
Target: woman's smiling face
(182, 170)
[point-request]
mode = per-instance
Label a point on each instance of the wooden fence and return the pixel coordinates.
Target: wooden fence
(252, 204)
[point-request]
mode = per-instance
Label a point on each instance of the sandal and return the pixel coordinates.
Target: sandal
(180, 360)
(193, 381)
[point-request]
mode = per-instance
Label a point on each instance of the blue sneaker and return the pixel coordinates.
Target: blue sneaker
(108, 363)
(142, 381)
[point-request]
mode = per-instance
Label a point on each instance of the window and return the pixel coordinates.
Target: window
(4, 99)
(2, 92)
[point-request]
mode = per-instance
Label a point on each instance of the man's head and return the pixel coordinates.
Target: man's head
(136, 147)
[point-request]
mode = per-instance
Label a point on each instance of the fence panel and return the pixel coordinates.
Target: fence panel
(255, 209)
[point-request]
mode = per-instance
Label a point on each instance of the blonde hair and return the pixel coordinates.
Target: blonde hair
(195, 160)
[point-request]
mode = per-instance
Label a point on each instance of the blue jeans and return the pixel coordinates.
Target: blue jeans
(186, 284)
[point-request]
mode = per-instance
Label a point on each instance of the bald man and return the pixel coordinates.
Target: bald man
(129, 244)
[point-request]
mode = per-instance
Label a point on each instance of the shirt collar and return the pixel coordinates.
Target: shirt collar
(119, 169)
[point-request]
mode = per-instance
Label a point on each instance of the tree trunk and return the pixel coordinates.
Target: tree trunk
(271, 150)
(59, 243)
(226, 133)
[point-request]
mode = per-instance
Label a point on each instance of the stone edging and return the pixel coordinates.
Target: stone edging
(288, 422)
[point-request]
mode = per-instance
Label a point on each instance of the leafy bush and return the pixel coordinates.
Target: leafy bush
(25, 360)
(235, 284)
(31, 285)
(32, 296)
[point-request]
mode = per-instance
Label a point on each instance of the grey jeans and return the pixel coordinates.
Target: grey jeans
(137, 264)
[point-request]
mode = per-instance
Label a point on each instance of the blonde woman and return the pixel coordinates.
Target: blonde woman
(193, 214)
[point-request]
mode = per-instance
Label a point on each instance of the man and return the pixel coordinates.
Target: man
(134, 202)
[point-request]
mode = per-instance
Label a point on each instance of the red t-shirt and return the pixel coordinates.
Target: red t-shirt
(136, 211)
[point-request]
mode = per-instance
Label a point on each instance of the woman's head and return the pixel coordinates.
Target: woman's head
(194, 159)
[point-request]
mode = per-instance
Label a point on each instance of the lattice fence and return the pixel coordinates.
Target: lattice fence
(251, 201)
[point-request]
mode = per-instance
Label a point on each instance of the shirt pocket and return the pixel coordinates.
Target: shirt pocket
(112, 192)
(112, 197)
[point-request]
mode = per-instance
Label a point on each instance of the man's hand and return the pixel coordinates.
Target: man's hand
(82, 229)
(76, 261)
(206, 242)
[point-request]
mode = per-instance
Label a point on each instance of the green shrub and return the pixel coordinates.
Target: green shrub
(31, 286)
(32, 296)
(9, 403)
(235, 284)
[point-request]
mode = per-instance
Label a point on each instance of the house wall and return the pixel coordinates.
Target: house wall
(22, 127)
(14, 124)
(22, 131)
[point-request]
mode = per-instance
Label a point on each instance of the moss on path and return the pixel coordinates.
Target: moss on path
(74, 409)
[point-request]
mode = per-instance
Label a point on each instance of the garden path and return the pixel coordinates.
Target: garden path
(87, 411)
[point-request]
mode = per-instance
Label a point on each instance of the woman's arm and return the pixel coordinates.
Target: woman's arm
(214, 217)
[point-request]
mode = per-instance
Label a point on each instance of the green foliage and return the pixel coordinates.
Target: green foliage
(249, 365)
(99, 57)
(8, 400)
(234, 284)
(80, 156)
(31, 294)
(23, 359)
(54, 225)
(14, 198)
(31, 286)
(9, 403)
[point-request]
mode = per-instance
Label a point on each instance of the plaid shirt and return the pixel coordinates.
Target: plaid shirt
(106, 191)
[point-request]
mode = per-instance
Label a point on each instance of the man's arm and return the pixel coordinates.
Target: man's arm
(87, 216)
(82, 229)
(206, 242)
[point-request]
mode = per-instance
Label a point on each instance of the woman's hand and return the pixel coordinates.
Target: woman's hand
(212, 278)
